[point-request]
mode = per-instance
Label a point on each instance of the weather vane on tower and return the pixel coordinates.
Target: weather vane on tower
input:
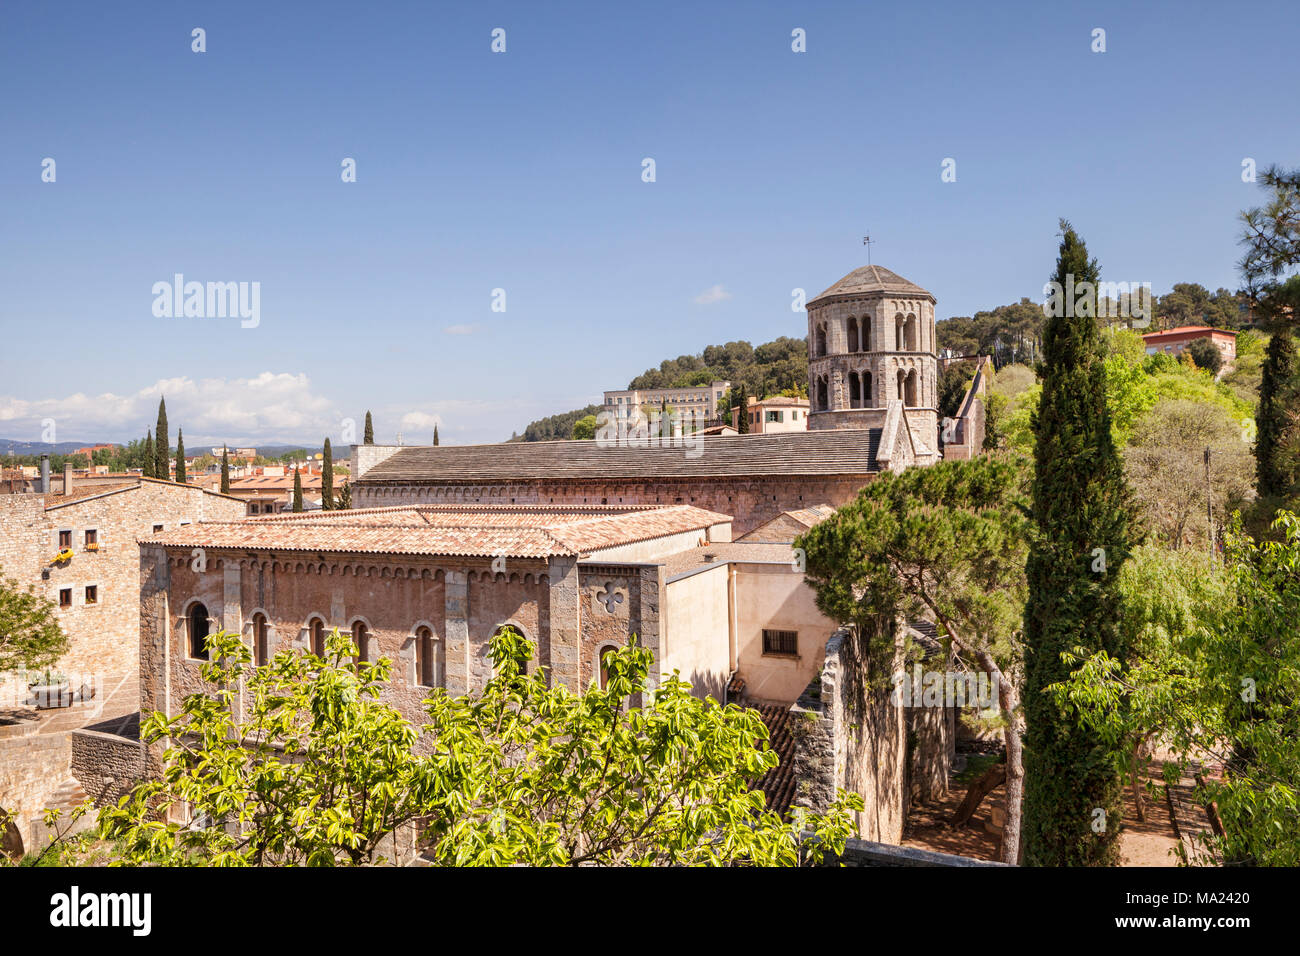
(867, 241)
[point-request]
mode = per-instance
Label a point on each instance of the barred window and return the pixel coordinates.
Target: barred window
(780, 642)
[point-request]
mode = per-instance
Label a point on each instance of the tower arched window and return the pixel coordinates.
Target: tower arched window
(911, 336)
(823, 398)
(820, 344)
(199, 629)
(868, 396)
(909, 387)
(853, 334)
(855, 391)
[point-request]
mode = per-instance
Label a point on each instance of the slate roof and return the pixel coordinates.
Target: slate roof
(830, 452)
(463, 531)
(872, 279)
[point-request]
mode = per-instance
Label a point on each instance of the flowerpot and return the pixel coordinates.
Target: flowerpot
(50, 696)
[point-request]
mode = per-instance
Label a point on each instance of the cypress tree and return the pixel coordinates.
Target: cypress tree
(435, 433)
(162, 467)
(180, 457)
(148, 468)
(225, 470)
(327, 479)
(369, 437)
(297, 489)
(1085, 526)
(742, 417)
(345, 496)
(1276, 398)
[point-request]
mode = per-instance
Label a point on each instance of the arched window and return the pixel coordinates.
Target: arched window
(430, 667)
(361, 638)
(199, 630)
(261, 639)
(855, 391)
(316, 628)
(522, 659)
(909, 398)
(868, 396)
(853, 334)
(821, 340)
(911, 337)
(605, 654)
(823, 401)
(865, 337)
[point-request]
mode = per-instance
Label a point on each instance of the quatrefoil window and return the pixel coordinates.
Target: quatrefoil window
(609, 597)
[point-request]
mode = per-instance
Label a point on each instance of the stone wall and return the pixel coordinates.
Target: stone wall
(103, 634)
(749, 500)
(32, 769)
(107, 766)
(849, 735)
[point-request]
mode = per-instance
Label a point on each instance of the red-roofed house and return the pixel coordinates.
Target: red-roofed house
(1173, 341)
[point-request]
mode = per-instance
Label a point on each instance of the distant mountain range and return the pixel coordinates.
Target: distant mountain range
(41, 447)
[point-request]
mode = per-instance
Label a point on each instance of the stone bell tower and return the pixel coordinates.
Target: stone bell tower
(872, 361)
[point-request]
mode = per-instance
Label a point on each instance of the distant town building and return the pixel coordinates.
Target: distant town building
(702, 401)
(268, 494)
(1173, 341)
(776, 414)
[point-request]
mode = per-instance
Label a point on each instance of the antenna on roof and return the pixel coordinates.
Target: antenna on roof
(867, 241)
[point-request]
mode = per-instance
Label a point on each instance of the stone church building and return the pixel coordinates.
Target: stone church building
(581, 545)
(872, 379)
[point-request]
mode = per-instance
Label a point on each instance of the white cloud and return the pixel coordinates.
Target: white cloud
(711, 295)
(267, 409)
(270, 407)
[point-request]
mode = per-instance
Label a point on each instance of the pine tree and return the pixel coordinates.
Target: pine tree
(225, 470)
(327, 479)
(1085, 526)
(162, 466)
(180, 457)
(297, 490)
(149, 468)
(741, 402)
(435, 434)
(369, 437)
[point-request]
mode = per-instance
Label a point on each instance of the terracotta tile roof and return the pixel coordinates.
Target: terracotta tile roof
(872, 279)
(1186, 330)
(778, 784)
(723, 552)
(432, 530)
(829, 452)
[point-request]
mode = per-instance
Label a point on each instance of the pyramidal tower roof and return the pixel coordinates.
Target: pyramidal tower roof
(873, 279)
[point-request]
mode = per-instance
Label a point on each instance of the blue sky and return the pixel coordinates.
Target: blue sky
(523, 171)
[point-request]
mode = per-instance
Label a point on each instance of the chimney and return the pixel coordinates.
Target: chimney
(45, 474)
(67, 478)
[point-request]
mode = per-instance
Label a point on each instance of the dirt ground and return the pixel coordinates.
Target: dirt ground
(1141, 844)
